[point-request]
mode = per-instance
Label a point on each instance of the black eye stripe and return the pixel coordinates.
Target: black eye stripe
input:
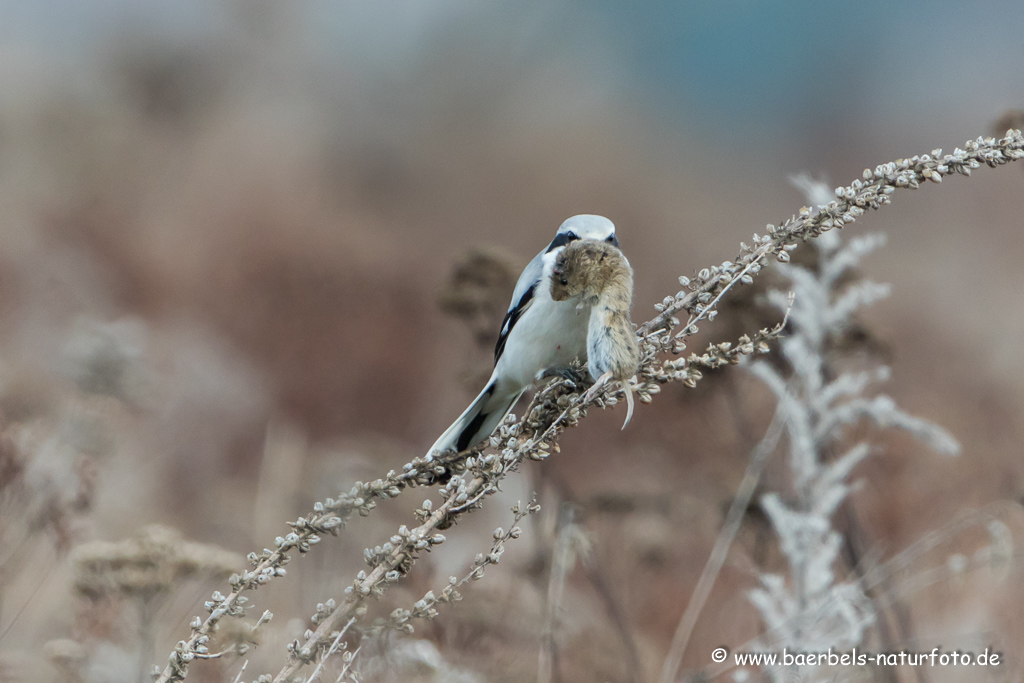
(564, 238)
(561, 240)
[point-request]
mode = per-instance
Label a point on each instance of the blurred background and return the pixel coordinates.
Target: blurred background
(228, 233)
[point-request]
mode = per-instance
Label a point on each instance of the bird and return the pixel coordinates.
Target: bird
(598, 276)
(539, 337)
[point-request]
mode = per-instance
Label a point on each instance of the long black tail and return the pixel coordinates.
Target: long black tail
(478, 421)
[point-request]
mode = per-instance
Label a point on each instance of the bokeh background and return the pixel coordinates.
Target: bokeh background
(226, 228)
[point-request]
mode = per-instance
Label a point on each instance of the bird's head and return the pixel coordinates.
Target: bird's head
(585, 227)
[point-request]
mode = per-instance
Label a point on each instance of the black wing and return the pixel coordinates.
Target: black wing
(511, 318)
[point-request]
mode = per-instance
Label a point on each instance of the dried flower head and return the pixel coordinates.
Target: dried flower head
(150, 563)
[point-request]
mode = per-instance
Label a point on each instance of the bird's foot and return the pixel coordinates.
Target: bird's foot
(575, 374)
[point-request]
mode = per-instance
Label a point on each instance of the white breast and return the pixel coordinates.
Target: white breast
(548, 336)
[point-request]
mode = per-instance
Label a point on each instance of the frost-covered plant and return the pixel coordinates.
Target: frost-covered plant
(811, 609)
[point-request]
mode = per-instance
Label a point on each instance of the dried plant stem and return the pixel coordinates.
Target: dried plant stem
(467, 496)
(330, 651)
(551, 412)
(733, 521)
(307, 652)
(426, 607)
(902, 562)
(871, 192)
(562, 558)
(327, 518)
(597, 574)
(348, 665)
(44, 581)
(603, 587)
(146, 645)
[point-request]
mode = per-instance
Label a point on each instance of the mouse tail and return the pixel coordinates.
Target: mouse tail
(629, 401)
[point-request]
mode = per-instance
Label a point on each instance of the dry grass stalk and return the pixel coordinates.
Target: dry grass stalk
(731, 526)
(570, 541)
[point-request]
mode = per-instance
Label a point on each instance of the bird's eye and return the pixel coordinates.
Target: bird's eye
(612, 240)
(572, 236)
(564, 281)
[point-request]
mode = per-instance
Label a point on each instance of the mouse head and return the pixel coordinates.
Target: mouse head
(580, 270)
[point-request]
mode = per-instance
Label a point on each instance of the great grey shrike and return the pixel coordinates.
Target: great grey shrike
(539, 335)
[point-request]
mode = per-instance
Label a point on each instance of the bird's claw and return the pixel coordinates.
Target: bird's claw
(577, 375)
